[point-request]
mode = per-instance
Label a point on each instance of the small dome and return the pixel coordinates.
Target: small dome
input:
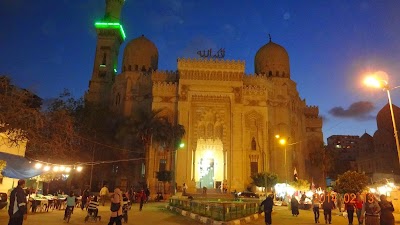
(366, 137)
(273, 60)
(384, 118)
(140, 54)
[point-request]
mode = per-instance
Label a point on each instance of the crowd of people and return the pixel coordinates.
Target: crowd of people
(367, 208)
(120, 202)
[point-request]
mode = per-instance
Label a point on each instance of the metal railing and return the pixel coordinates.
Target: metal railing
(221, 211)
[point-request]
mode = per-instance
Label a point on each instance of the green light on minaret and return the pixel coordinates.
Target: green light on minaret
(106, 25)
(115, 70)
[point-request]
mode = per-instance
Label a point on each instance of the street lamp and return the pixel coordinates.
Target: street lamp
(375, 82)
(283, 141)
(173, 166)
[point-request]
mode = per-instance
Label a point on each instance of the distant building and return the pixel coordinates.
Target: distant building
(230, 117)
(345, 150)
(378, 156)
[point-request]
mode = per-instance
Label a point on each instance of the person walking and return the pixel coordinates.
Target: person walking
(349, 207)
(85, 197)
(315, 204)
(339, 201)
(184, 188)
(327, 206)
(104, 194)
(17, 209)
(268, 204)
(294, 204)
(386, 217)
(358, 205)
(371, 210)
(142, 199)
(116, 207)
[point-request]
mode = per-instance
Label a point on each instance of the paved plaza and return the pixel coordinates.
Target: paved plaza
(156, 213)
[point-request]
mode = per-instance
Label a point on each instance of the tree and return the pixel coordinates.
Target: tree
(264, 179)
(165, 177)
(20, 115)
(351, 182)
(322, 159)
(300, 184)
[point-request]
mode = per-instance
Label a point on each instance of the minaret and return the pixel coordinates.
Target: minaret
(110, 35)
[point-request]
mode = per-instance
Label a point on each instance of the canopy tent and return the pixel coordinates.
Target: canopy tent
(18, 167)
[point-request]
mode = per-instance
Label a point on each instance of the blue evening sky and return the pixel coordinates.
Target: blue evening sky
(47, 46)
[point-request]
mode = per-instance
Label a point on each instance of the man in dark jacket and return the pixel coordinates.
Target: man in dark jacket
(18, 209)
(268, 203)
(327, 206)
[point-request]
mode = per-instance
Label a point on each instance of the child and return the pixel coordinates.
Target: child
(93, 206)
(71, 201)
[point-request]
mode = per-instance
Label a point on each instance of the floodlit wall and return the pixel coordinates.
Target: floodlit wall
(10, 148)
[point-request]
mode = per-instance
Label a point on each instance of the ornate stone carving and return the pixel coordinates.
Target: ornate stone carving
(275, 103)
(211, 64)
(183, 94)
(238, 94)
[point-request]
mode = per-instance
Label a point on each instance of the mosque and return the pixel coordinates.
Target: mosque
(231, 118)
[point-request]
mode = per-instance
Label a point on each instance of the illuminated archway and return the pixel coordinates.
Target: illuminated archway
(209, 163)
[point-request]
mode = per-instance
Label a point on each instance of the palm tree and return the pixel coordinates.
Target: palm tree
(152, 129)
(148, 127)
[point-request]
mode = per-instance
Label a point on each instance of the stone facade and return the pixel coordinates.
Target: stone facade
(230, 117)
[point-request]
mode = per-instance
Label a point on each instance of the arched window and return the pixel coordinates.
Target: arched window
(270, 73)
(253, 144)
(130, 68)
(136, 67)
(104, 59)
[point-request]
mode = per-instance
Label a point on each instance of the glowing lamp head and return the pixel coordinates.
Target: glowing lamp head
(181, 145)
(67, 169)
(46, 168)
(282, 141)
(79, 168)
(62, 168)
(372, 81)
(38, 165)
(56, 168)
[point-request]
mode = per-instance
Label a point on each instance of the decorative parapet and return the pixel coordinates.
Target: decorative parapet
(255, 79)
(168, 76)
(163, 88)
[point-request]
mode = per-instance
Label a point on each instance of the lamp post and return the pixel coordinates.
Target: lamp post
(373, 81)
(173, 166)
(283, 142)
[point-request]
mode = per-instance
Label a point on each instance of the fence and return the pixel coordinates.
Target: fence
(221, 211)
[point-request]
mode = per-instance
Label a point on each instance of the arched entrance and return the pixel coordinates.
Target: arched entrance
(209, 161)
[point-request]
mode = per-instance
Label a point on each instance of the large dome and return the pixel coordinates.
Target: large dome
(384, 118)
(273, 60)
(140, 54)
